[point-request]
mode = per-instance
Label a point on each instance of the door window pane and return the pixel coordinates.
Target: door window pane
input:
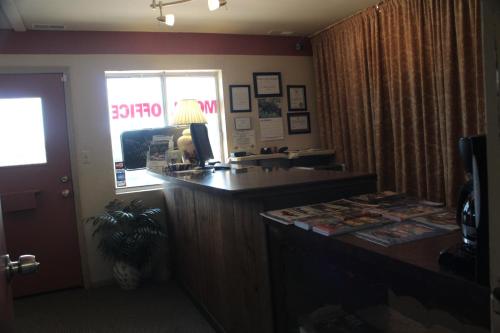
(22, 137)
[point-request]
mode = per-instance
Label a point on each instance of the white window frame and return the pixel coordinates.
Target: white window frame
(164, 74)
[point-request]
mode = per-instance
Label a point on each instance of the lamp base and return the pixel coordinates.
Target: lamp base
(186, 146)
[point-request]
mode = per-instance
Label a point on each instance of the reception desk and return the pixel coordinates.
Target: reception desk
(218, 239)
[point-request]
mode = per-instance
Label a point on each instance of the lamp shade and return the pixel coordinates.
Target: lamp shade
(189, 112)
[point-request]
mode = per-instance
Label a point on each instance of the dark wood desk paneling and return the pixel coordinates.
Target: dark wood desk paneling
(410, 269)
(218, 240)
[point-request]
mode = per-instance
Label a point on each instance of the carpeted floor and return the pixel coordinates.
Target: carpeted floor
(157, 308)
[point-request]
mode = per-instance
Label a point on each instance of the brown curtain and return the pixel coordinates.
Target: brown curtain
(397, 87)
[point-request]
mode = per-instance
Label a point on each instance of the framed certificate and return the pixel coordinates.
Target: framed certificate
(242, 123)
(297, 100)
(267, 84)
(239, 96)
(299, 123)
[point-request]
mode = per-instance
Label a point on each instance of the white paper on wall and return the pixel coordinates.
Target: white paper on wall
(244, 140)
(271, 129)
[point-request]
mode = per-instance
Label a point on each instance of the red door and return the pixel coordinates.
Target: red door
(6, 316)
(35, 181)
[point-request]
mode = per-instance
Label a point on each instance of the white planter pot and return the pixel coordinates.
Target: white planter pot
(128, 277)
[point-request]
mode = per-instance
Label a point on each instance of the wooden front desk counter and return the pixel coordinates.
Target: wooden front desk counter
(218, 240)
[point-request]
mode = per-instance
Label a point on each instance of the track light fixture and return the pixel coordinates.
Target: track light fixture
(216, 4)
(169, 19)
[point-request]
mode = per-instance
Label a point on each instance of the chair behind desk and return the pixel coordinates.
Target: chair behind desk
(135, 144)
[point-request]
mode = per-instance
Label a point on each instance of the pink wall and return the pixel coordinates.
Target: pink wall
(93, 42)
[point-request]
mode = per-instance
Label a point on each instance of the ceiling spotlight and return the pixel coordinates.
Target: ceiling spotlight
(216, 4)
(168, 19)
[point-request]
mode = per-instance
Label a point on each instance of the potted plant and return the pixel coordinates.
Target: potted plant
(128, 235)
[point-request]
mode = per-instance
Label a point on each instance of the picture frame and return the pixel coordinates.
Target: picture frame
(299, 123)
(297, 98)
(243, 123)
(267, 84)
(240, 98)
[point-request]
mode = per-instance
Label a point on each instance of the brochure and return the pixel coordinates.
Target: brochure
(373, 199)
(285, 216)
(345, 208)
(349, 225)
(405, 211)
(399, 233)
(307, 223)
(446, 220)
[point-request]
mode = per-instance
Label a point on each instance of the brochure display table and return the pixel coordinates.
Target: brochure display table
(218, 240)
(310, 270)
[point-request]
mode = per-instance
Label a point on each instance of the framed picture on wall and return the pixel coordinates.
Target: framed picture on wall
(267, 84)
(297, 100)
(299, 123)
(242, 123)
(239, 96)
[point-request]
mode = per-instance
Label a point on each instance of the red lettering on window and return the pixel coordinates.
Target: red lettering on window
(127, 112)
(138, 109)
(210, 106)
(156, 110)
(114, 111)
(147, 109)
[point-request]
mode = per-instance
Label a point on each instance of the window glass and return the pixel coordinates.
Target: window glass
(21, 122)
(134, 103)
(139, 100)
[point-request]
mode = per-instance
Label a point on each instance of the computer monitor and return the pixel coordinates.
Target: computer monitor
(199, 134)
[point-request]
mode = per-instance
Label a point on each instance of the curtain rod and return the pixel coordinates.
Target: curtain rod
(345, 19)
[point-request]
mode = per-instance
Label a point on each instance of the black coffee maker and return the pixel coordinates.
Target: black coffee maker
(471, 256)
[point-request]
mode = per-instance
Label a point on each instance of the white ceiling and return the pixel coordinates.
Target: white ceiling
(302, 17)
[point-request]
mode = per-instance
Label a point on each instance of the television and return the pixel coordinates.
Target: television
(199, 134)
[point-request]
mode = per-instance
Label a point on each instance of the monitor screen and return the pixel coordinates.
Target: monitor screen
(199, 134)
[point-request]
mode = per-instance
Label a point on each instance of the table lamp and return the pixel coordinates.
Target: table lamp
(188, 112)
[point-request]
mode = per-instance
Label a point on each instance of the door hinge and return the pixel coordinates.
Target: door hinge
(64, 78)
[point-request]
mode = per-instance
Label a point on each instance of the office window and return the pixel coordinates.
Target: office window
(149, 100)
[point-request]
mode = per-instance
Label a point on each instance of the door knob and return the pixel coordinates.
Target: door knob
(26, 264)
(65, 193)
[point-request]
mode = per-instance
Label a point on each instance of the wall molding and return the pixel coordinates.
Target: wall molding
(106, 42)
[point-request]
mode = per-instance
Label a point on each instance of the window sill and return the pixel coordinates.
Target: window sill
(136, 189)
(139, 181)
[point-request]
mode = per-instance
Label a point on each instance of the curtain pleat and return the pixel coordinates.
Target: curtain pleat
(397, 87)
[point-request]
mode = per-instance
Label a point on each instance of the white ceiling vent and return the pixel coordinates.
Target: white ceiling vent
(38, 26)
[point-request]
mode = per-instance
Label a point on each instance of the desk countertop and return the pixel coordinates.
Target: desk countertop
(256, 179)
